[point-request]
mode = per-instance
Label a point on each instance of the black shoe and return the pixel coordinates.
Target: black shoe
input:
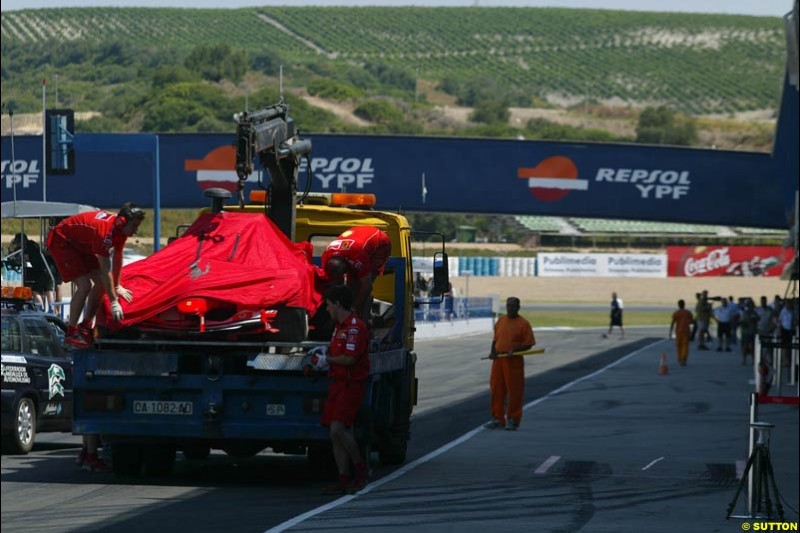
(719, 349)
(728, 350)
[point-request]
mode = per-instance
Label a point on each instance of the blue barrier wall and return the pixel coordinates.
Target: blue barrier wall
(460, 175)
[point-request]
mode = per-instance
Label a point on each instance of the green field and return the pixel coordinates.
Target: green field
(579, 318)
(696, 63)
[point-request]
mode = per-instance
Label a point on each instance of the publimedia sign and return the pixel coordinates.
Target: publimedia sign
(602, 265)
(746, 261)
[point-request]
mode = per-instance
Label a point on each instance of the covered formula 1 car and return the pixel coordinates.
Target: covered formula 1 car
(234, 275)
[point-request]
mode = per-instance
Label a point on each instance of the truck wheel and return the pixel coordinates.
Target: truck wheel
(394, 444)
(24, 433)
(158, 459)
(393, 451)
(126, 458)
(196, 452)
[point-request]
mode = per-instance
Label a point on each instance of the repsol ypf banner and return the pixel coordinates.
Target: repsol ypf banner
(429, 174)
(602, 265)
(747, 261)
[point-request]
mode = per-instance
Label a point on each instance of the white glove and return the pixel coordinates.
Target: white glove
(319, 358)
(124, 293)
(116, 311)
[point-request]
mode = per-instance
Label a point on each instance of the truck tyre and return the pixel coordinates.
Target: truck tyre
(126, 459)
(158, 459)
(197, 452)
(362, 431)
(24, 433)
(394, 444)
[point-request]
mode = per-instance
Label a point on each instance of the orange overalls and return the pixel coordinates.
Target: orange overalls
(508, 373)
(683, 321)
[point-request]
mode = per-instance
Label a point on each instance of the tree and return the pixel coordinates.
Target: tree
(217, 61)
(660, 125)
(491, 111)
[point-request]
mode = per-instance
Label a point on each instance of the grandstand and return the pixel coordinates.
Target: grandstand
(593, 227)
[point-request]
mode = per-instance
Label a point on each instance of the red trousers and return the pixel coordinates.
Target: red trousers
(507, 379)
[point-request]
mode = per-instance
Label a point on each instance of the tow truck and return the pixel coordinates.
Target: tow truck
(150, 397)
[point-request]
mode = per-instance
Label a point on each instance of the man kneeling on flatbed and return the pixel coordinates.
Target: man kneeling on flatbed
(348, 360)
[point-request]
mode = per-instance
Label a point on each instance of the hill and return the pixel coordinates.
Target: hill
(394, 68)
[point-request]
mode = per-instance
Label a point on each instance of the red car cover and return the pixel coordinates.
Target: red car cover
(238, 258)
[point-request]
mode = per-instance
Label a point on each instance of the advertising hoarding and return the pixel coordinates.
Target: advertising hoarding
(746, 261)
(602, 265)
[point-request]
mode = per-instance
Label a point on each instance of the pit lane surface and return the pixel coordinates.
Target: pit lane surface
(45, 491)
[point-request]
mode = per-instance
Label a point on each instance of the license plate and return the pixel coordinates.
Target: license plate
(276, 409)
(162, 408)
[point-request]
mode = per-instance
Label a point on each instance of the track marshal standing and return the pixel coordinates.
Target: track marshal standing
(512, 333)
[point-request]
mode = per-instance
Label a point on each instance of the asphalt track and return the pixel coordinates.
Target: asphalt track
(622, 450)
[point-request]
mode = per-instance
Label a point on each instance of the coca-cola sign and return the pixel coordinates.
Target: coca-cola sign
(746, 261)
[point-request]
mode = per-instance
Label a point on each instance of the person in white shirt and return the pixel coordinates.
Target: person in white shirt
(722, 315)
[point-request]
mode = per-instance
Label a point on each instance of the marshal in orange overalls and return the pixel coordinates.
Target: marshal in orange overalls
(508, 373)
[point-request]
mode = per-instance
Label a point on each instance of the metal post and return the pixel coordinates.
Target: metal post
(756, 359)
(157, 199)
(13, 157)
(752, 443)
(44, 140)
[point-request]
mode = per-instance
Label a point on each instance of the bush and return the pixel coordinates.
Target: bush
(490, 112)
(380, 111)
(167, 75)
(334, 90)
(218, 61)
(660, 125)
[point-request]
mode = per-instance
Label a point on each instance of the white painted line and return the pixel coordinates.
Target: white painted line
(545, 466)
(652, 463)
(558, 183)
(740, 464)
(435, 453)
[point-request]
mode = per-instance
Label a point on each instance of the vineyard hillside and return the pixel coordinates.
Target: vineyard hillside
(524, 73)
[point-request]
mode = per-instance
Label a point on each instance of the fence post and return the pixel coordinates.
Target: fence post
(751, 442)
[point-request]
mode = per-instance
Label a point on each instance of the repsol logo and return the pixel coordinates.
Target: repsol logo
(339, 173)
(25, 173)
(656, 184)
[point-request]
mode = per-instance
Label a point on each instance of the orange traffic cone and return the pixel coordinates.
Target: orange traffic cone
(662, 368)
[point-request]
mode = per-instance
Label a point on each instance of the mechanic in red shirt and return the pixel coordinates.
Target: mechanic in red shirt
(356, 258)
(81, 247)
(348, 360)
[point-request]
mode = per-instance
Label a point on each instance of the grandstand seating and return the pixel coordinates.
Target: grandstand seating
(542, 224)
(592, 225)
(759, 231)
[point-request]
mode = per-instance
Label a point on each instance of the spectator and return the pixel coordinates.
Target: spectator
(616, 316)
(348, 360)
(765, 328)
(356, 258)
(81, 247)
(703, 316)
(749, 324)
(787, 323)
(736, 310)
(682, 320)
(722, 315)
(512, 333)
(697, 297)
